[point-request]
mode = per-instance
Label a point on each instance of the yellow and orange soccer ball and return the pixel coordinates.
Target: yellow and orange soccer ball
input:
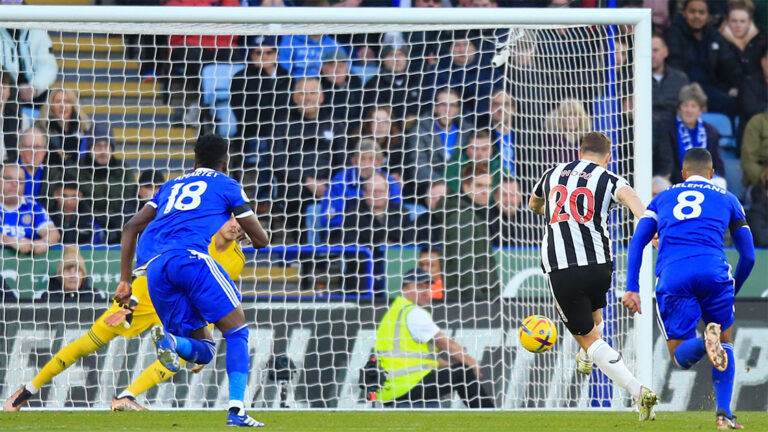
(537, 333)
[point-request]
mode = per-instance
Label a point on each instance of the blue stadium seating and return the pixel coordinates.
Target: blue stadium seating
(723, 124)
(214, 84)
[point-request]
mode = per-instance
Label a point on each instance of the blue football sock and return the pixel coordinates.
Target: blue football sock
(723, 382)
(238, 362)
(195, 351)
(689, 352)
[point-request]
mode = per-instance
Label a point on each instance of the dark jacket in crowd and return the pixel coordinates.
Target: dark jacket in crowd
(86, 294)
(757, 216)
(111, 191)
(345, 102)
(753, 97)
(260, 102)
(750, 57)
(665, 92)
(404, 92)
(707, 61)
(468, 256)
(474, 82)
(81, 228)
(10, 130)
(312, 148)
(668, 142)
(68, 142)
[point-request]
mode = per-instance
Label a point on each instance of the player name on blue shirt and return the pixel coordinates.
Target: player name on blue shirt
(190, 209)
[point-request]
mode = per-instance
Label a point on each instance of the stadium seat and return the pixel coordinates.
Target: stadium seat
(723, 124)
(214, 84)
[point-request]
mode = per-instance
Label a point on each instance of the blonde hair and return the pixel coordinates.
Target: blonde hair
(70, 98)
(567, 108)
(71, 257)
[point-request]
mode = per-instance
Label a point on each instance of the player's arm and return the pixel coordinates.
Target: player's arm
(536, 204)
(629, 198)
(253, 229)
(644, 232)
(131, 232)
(744, 243)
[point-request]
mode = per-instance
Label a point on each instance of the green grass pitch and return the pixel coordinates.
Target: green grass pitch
(385, 421)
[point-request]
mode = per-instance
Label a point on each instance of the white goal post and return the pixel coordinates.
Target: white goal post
(316, 330)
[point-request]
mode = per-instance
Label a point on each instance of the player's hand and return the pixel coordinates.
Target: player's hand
(197, 368)
(118, 317)
(631, 300)
(123, 293)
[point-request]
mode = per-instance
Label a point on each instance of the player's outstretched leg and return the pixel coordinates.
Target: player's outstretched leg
(64, 358)
(609, 361)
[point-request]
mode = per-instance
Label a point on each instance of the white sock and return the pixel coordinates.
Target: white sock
(610, 363)
(30, 388)
(600, 329)
(126, 393)
(239, 405)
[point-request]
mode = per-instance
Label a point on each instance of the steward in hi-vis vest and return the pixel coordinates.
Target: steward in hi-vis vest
(407, 345)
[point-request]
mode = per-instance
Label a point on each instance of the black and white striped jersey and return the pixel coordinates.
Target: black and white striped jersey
(578, 197)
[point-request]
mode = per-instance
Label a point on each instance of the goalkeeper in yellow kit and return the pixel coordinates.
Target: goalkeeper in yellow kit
(120, 321)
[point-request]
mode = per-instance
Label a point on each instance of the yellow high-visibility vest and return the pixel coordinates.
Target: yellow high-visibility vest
(405, 360)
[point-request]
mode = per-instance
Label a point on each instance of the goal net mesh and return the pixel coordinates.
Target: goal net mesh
(366, 151)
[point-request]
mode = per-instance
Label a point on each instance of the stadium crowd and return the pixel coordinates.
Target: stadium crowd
(397, 138)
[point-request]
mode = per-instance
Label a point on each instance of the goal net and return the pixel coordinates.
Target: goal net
(370, 143)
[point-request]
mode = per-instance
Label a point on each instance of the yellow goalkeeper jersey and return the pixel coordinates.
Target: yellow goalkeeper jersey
(232, 260)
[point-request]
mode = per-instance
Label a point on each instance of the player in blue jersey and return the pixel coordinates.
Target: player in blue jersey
(694, 279)
(187, 287)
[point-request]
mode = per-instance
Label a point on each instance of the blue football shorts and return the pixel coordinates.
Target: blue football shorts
(189, 289)
(693, 289)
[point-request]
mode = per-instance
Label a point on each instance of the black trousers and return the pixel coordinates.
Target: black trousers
(444, 381)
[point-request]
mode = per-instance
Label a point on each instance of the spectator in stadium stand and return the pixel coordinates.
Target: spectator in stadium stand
(699, 50)
(757, 215)
(67, 126)
(468, 72)
(753, 93)
(430, 261)
(431, 143)
(27, 228)
(748, 42)
(74, 216)
(189, 53)
(260, 98)
(503, 113)
(310, 150)
(9, 117)
(71, 282)
(502, 217)
(106, 182)
(150, 181)
(346, 186)
(687, 130)
(468, 256)
(343, 91)
(374, 219)
(425, 45)
(41, 168)
(565, 126)
(478, 150)
(754, 151)
(302, 55)
(414, 383)
(660, 13)
(667, 81)
(380, 126)
(394, 85)
(27, 57)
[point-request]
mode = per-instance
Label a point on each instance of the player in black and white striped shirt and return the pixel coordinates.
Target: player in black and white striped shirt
(576, 199)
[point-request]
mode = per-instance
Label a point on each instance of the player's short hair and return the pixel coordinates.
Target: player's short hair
(596, 143)
(697, 160)
(210, 150)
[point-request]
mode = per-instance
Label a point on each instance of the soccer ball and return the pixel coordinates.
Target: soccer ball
(537, 334)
